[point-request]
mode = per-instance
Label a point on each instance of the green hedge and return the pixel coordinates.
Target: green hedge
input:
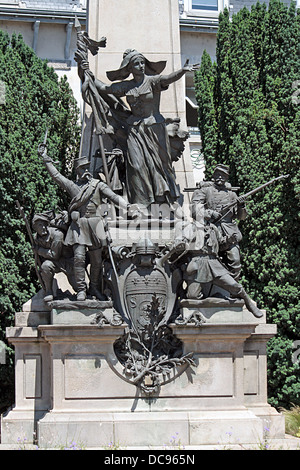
(249, 110)
(32, 99)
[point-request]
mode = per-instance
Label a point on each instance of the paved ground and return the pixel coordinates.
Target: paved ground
(289, 443)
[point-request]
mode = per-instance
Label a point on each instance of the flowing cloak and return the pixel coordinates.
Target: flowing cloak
(149, 174)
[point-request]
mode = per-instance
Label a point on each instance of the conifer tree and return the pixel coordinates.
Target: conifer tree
(224, 88)
(35, 99)
(258, 65)
(205, 86)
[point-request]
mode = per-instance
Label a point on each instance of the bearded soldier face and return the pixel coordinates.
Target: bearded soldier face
(220, 178)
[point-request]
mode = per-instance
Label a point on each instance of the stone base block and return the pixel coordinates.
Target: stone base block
(214, 310)
(273, 422)
(71, 386)
(19, 426)
(224, 427)
(150, 429)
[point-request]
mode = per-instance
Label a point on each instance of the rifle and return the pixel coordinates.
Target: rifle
(250, 193)
(208, 183)
(36, 256)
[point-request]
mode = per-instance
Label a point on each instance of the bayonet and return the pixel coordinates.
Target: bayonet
(46, 135)
(42, 147)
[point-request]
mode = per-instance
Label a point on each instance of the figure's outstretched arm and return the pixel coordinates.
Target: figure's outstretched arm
(133, 209)
(103, 87)
(174, 76)
(61, 180)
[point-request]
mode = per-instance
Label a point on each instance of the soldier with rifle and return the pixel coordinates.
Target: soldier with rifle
(50, 254)
(204, 268)
(54, 255)
(215, 196)
(223, 207)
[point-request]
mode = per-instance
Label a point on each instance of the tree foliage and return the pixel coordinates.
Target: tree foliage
(35, 99)
(249, 114)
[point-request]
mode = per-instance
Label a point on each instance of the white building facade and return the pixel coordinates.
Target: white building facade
(48, 27)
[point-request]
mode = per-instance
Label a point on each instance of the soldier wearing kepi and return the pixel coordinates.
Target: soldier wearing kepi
(215, 196)
(55, 256)
(86, 231)
(205, 269)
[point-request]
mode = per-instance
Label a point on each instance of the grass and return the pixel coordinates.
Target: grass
(292, 420)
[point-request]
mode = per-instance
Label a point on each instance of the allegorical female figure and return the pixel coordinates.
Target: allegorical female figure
(150, 177)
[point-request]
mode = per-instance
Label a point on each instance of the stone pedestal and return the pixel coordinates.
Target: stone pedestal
(70, 384)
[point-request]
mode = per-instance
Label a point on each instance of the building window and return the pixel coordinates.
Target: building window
(204, 8)
(211, 5)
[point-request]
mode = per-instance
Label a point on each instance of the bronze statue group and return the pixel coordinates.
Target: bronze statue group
(70, 241)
